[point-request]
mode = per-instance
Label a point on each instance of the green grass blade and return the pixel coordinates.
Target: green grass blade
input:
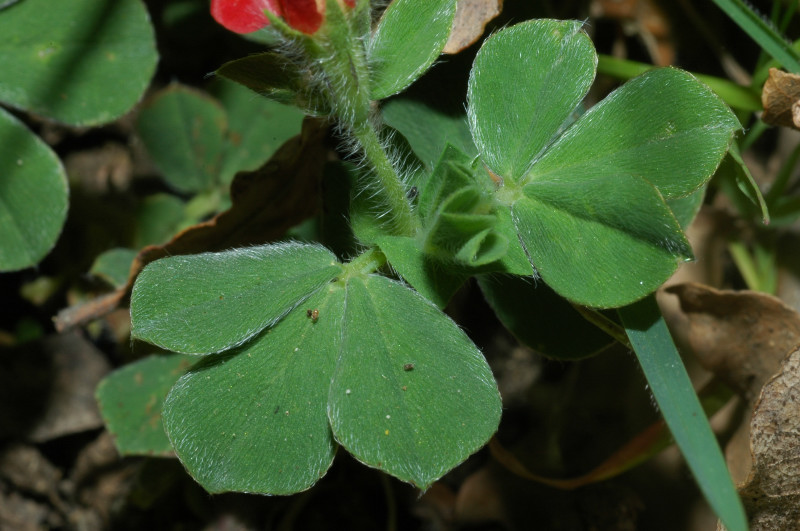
(762, 32)
(681, 409)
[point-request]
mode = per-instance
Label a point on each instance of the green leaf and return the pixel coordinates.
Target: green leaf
(131, 399)
(81, 62)
(588, 204)
(435, 280)
(453, 171)
(516, 261)
(600, 242)
(461, 232)
(206, 303)
(33, 195)
(411, 394)
(428, 130)
(747, 184)
(157, 218)
(541, 319)
(681, 409)
(259, 418)
(410, 36)
(254, 419)
(114, 265)
(457, 214)
(639, 129)
(257, 127)
(686, 208)
(275, 76)
(525, 82)
(183, 130)
(270, 74)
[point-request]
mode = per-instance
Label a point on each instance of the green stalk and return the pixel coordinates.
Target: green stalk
(346, 68)
(366, 263)
(746, 264)
(386, 179)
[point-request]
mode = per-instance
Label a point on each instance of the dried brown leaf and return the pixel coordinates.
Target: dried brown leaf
(741, 336)
(771, 494)
(471, 19)
(781, 99)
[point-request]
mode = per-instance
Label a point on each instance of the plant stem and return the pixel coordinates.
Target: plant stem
(746, 264)
(386, 179)
(344, 63)
(367, 262)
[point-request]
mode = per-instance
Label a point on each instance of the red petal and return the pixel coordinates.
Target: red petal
(243, 16)
(350, 3)
(303, 15)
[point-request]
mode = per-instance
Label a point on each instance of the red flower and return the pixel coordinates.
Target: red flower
(246, 16)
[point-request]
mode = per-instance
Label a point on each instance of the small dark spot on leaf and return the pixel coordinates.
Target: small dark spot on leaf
(408, 367)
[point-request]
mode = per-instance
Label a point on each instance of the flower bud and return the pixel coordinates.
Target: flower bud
(246, 16)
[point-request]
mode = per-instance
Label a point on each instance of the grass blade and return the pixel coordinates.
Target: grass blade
(762, 32)
(681, 409)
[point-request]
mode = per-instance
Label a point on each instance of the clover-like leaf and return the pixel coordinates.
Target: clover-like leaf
(277, 77)
(588, 202)
(411, 394)
(664, 126)
(365, 362)
(183, 130)
(525, 82)
(131, 400)
(409, 37)
(602, 242)
(33, 196)
(82, 62)
(254, 419)
(206, 303)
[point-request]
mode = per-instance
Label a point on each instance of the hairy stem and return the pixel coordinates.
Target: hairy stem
(366, 263)
(386, 179)
(345, 65)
